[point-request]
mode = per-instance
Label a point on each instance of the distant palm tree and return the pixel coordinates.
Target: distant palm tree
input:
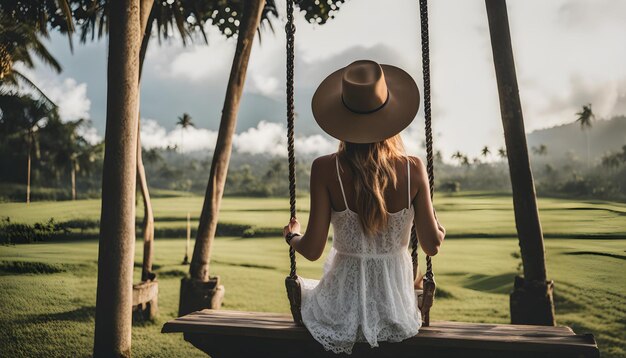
(71, 151)
(438, 157)
(584, 119)
(184, 122)
(26, 116)
(502, 153)
(540, 150)
(485, 151)
(152, 156)
(458, 156)
(465, 161)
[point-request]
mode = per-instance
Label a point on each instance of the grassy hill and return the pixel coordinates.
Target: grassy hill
(604, 136)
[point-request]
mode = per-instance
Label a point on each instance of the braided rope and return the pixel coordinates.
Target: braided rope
(423, 5)
(290, 29)
(427, 113)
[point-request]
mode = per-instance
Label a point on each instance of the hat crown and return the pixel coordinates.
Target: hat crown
(363, 87)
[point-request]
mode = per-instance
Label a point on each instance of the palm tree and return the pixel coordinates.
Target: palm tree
(465, 161)
(502, 153)
(531, 300)
(188, 19)
(69, 150)
(193, 296)
(199, 268)
(27, 115)
(485, 151)
(584, 119)
(19, 43)
(184, 122)
(540, 150)
(458, 156)
(114, 297)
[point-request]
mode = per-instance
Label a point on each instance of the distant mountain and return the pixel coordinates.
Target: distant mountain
(604, 136)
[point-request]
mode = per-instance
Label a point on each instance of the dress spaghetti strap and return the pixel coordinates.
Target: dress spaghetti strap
(343, 193)
(408, 176)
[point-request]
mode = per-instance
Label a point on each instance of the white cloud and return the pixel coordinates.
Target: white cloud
(266, 138)
(265, 85)
(90, 134)
(70, 96)
(202, 62)
(153, 135)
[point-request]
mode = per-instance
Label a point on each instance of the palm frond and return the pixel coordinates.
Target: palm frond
(30, 84)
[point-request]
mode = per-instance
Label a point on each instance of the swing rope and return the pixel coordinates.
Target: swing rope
(291, 282)
(423, 4)
(290, 28)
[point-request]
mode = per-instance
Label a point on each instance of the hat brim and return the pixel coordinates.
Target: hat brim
(340, 122)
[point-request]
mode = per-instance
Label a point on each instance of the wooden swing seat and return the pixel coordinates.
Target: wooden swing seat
(223, 333)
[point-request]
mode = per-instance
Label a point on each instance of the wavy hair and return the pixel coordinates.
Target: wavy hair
(373, 169)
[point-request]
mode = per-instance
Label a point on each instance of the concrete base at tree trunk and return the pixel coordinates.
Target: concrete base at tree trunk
(197, 295)
(532, 302)
(145, 301)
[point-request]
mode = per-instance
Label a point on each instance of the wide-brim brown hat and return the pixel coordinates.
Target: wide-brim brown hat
(366, 102)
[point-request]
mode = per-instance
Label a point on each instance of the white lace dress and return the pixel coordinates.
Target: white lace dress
(366, 291)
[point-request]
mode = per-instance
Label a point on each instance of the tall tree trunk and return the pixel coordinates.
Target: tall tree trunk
(588, 150)
(28, 163)
(531, 301)
(148, 218)
(73, 179)
(117, 221)
(199, 269)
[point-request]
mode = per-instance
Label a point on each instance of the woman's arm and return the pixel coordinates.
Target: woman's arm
(312, 244)
(429, 231)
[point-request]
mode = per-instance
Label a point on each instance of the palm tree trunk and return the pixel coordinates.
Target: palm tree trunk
(531, 301)
(199, 269)
(588, 150)
(28, 163)
(148, 219)
(186, 258)
(148, 216)
(117, 221)
(73, 179)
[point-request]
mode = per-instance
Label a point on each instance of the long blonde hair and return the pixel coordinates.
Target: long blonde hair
(373, 169)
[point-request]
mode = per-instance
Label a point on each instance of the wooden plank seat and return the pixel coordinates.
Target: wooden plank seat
(222, 333)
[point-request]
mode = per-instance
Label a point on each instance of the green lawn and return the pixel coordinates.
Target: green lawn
(52, 314)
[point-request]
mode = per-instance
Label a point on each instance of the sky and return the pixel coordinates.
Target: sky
(567, 53)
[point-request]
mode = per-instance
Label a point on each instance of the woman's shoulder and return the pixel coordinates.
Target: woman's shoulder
(418, 169)
(323, 164)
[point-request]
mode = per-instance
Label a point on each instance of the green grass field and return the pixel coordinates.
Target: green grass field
(52, 314)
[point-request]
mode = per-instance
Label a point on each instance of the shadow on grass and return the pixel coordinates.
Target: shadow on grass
(606, 254)
(81, 314)
(171, 273)
(443, 294)
(563, 304)
(154, 266)
(502, 284)
(265, 267)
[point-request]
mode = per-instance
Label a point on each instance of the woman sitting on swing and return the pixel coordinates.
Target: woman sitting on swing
(372, 193)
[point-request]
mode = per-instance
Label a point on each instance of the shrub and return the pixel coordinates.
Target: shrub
(19, 233)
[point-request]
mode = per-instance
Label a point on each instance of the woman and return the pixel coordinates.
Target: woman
(372, 193)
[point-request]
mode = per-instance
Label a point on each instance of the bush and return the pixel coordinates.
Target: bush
(18, 233)
(450, 187)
